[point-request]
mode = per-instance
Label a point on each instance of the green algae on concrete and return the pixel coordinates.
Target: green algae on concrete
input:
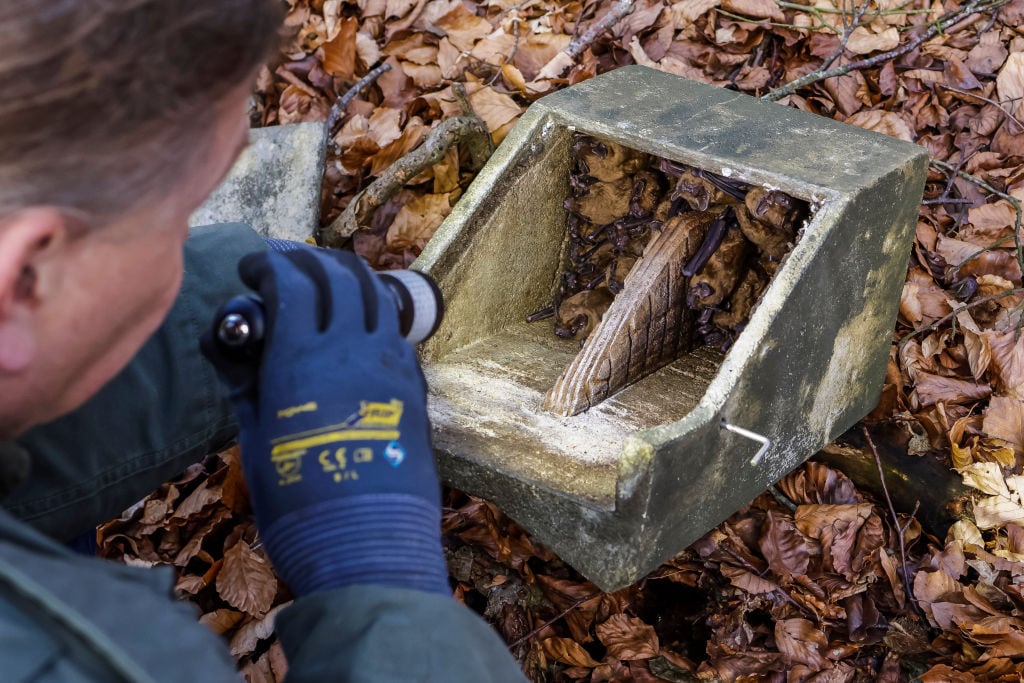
(624, 486)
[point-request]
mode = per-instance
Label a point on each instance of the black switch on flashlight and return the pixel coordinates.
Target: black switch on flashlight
(240, 327)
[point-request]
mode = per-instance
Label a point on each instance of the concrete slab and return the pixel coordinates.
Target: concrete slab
(275, 184)
(620, 488)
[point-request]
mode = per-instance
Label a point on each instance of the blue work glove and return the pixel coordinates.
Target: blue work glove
(334, 432)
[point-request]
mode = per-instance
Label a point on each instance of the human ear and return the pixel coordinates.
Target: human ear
(25, 238)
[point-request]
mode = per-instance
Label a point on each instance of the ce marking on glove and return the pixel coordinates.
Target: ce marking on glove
(338, 464)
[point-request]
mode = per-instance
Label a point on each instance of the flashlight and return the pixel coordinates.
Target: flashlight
(239, 325)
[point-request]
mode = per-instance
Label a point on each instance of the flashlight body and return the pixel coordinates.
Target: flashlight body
(240, 324)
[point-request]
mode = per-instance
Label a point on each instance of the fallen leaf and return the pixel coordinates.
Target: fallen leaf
(930, 389)
(416, 222)
(627, 637)
(496, 109)
(220, 621)
(1010, 84)
(567, 651)
(1007, 360)
(885, 122)
(864, 41)
(463, 28)
(744, 580)
(1004, 419)
(340, 53)
(253, 631)
(801, 642)
(246, 580)
(759, 9)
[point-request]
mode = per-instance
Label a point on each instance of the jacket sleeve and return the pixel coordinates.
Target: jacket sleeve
(390, 635)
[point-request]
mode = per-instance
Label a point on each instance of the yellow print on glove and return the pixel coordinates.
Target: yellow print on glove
(287, 465)
(375, 421)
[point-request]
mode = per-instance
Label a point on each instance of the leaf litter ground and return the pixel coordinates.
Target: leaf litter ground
(816, 582)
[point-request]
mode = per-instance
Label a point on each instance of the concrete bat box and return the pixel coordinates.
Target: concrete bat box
(629, 482)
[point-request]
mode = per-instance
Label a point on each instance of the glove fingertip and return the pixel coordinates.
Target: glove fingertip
(253, 268)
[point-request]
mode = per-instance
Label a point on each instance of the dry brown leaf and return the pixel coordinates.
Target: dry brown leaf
(254, 630)
(864, 41)
(988, 55)
(1010, 84)
(416, 222)
(1004, 419)
(759, 9)
(627, 637)
(997, 511)
(943, 673)
(496, 109)
(384, 126)
(426, 76)
(688, 11)
(340, 53)
(922, 301)
(979, 355)
(783, 547)
(836, 527)
(801, 642)
(463, 28)
(246, 580)
(495, 48)
(886, 122)
(1007, 361)
(568, 651)
(992, 220)
(747, 581)
(278, 661)
(415, 47)
(449, 59)
(930, 389)
(220, 621)
(205, 494)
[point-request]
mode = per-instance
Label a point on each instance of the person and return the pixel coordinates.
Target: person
(117, 119)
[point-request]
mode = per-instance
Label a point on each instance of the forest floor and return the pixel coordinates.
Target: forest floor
(816, 583)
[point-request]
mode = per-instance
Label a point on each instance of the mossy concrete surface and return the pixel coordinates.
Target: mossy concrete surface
(620, 488)
(274, 185)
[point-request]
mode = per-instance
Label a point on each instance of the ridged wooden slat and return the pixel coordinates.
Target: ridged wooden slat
(646, 327)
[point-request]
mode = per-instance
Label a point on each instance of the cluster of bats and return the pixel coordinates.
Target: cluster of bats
(620, 198)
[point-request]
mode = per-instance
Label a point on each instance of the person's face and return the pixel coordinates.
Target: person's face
(107, 289)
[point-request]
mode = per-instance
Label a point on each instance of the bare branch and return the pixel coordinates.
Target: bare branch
(940, 26)
(1013, 201)
(341, 104)
(957, 311)
(468, 130)
(900, 529)
(558, 64)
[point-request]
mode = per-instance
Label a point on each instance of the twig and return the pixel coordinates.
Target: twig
(957, 311)
(619, 10)
(468, 129)
(998, 105)
(531, 634)
(1014, 202)
(557, 65)
(939, 26)
(950, 200)
(900, 529)
(848, 29)
(341, 104)
(782, 498)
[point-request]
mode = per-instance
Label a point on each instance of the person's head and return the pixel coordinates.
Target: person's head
(117, 118)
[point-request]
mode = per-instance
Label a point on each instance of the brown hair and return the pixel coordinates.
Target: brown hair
(100, 99)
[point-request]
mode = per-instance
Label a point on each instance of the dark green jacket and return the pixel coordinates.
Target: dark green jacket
(69, 618)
